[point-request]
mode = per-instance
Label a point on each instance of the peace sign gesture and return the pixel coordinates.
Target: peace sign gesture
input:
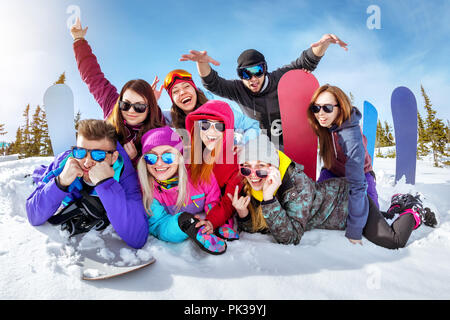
(77, 31)
(239, 203)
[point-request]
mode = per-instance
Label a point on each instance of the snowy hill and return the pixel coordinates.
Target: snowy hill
(39, 263)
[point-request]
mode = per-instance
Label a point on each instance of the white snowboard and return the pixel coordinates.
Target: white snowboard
(58, 105)
(103, 255)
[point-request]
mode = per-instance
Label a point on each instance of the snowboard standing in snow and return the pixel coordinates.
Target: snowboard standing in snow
(295, 91)
(404, 114)
(58, 104)
(370, 127)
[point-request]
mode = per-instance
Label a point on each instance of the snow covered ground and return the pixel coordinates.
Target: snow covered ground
(38, 263)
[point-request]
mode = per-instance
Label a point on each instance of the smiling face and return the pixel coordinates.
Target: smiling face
(161, 170)
(211, 137)
(323, 118)
(184, 96)
(254, 84)
(131, 116)
(256, 182)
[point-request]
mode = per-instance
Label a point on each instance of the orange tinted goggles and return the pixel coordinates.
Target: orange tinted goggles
(176, 74)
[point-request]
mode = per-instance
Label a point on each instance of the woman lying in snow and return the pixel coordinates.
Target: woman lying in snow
(278, 197)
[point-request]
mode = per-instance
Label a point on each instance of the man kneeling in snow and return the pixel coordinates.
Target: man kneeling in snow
(93, 184)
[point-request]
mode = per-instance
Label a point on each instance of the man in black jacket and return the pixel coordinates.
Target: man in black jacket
(256, 93)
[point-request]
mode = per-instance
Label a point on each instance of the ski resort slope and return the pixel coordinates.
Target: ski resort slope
(40, 263)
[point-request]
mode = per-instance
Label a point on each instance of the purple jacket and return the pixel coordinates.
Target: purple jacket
(122, 201)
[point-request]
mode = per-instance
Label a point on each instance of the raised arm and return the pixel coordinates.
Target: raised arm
(202, 59)
(103, 91)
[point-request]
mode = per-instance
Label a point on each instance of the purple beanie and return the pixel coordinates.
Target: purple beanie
(163, 136)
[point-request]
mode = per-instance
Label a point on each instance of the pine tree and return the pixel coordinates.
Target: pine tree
(3, 146)
(36, 133)
(47, 145)
(61, 79)
(352, 99)
(380, 137)
(447, 135)
(435, 130)
(388, 135)
(422, 149)
(77, 119)
(26, 134)
(2, 129)
(17, 146)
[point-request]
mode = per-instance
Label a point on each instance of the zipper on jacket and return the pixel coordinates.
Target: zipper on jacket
(334, 146)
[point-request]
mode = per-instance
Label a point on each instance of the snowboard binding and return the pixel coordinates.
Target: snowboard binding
(407, 203)
(209, 243)
(227, 233)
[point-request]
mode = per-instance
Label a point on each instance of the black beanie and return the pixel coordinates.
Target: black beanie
(249, 58)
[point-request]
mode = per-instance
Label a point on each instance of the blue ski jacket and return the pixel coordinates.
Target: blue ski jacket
(350, 139)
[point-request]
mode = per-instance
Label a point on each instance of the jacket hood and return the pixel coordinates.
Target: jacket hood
(355, 117)
(219, 111)
(213, 110)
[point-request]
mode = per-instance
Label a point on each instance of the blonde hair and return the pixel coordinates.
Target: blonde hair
(146, 181)
(258, 221)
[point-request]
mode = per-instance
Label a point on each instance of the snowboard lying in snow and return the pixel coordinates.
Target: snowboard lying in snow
(96, 270)
(103, 255)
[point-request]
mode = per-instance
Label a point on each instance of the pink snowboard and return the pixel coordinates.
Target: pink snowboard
(295, 91)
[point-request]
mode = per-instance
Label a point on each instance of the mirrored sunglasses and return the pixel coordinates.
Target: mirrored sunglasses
(96, 154)
(167, 157)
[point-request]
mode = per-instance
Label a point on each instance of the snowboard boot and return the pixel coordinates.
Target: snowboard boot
(207, 242)
(227, 231)
(407, 203)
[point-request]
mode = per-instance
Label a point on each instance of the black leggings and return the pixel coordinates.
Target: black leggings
(378, 231)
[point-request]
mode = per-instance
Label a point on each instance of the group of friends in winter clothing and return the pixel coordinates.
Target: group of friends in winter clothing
(206, 171)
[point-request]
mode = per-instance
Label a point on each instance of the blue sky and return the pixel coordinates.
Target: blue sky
(141, 39)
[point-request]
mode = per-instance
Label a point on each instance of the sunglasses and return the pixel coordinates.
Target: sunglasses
(247, 73)
(96, 154)
(328, 108)
(166, 157)
(205, 125)
(138, 107)
(176, 74)
(260, 173)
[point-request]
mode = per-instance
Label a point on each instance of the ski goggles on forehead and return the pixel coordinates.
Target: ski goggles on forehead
(167, 158)
(247, 73)
(178, 74)
(138, 107)
(260, 173)
(96, 154)
(328, 108)
(205, 125)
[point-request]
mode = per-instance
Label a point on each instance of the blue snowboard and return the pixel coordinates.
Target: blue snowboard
(370, 127)
(404, 114)
(58, 105)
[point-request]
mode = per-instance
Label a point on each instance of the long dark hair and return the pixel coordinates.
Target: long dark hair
(325, 140)
(154, 115)
(178, 115)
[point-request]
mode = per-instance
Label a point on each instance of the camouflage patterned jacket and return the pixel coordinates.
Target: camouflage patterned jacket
(301, 204)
